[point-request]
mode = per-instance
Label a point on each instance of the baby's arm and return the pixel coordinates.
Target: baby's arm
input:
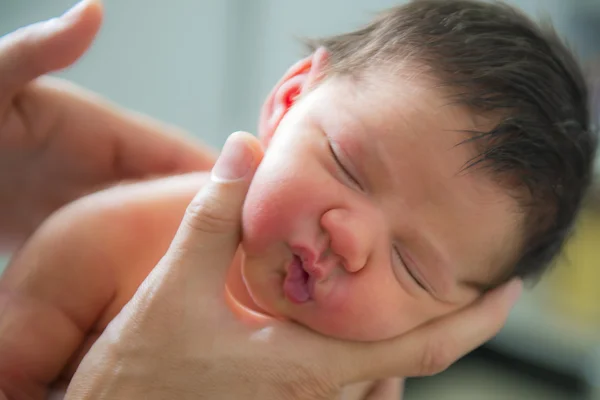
(77, 271)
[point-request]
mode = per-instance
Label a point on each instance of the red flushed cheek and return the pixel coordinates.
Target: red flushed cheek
(260, 226)
(269, 216)
(277, 211)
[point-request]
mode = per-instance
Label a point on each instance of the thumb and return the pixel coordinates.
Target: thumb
(47, 46)
(209, 235)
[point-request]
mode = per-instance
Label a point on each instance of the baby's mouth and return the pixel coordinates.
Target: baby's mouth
(296, 285)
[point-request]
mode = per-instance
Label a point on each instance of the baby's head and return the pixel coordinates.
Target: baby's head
(414, 164)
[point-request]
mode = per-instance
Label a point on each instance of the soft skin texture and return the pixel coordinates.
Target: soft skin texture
(101, 268)
(299, 196)
(177, 337)
(364, 178)
(106, 244)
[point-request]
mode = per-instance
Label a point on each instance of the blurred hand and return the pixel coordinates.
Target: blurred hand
(179, 338)
(59, 142)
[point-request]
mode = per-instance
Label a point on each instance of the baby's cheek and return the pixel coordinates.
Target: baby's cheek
(274, 212)
(263, 223)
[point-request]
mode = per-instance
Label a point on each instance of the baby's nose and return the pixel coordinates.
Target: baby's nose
(349, 237)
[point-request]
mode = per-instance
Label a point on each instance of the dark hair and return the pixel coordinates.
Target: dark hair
(496, 61)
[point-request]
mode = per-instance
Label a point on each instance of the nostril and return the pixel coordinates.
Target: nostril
(327, 253)
(330, 260)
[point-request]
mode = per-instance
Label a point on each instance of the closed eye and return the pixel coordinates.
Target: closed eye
(410, 272)
(342, 168)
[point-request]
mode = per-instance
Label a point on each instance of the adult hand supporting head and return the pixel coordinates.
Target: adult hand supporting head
(57, 141)
(177, 337)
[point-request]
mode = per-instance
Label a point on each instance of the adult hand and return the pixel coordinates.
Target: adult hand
(59, 142)
(179, 336)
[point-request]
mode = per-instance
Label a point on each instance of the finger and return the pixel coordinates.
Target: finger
(139, 146)
(209, 235)
(47, 46)
(431, 348)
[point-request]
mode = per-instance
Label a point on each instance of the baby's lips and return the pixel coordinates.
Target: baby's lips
(296, 282)
(310, 263)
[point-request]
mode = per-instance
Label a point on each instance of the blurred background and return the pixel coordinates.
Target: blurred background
(206, 65)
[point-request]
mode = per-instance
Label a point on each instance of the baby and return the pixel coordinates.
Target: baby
(410, 166)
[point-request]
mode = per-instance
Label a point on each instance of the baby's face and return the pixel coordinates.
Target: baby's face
(359, 223)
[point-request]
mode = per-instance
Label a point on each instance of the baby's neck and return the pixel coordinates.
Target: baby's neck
(238, 295)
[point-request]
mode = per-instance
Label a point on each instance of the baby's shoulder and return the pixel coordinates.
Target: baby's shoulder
(83, 264)
(148, 200)
(102, 245)
(100, 235)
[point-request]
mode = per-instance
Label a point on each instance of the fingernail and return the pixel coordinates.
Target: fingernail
(235, 160)
(514, 290)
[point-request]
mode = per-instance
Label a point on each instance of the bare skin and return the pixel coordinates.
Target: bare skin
(179, 337)
(41, 119)
(133, 225)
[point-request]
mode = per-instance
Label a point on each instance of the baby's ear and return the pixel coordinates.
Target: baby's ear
(296, 81)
